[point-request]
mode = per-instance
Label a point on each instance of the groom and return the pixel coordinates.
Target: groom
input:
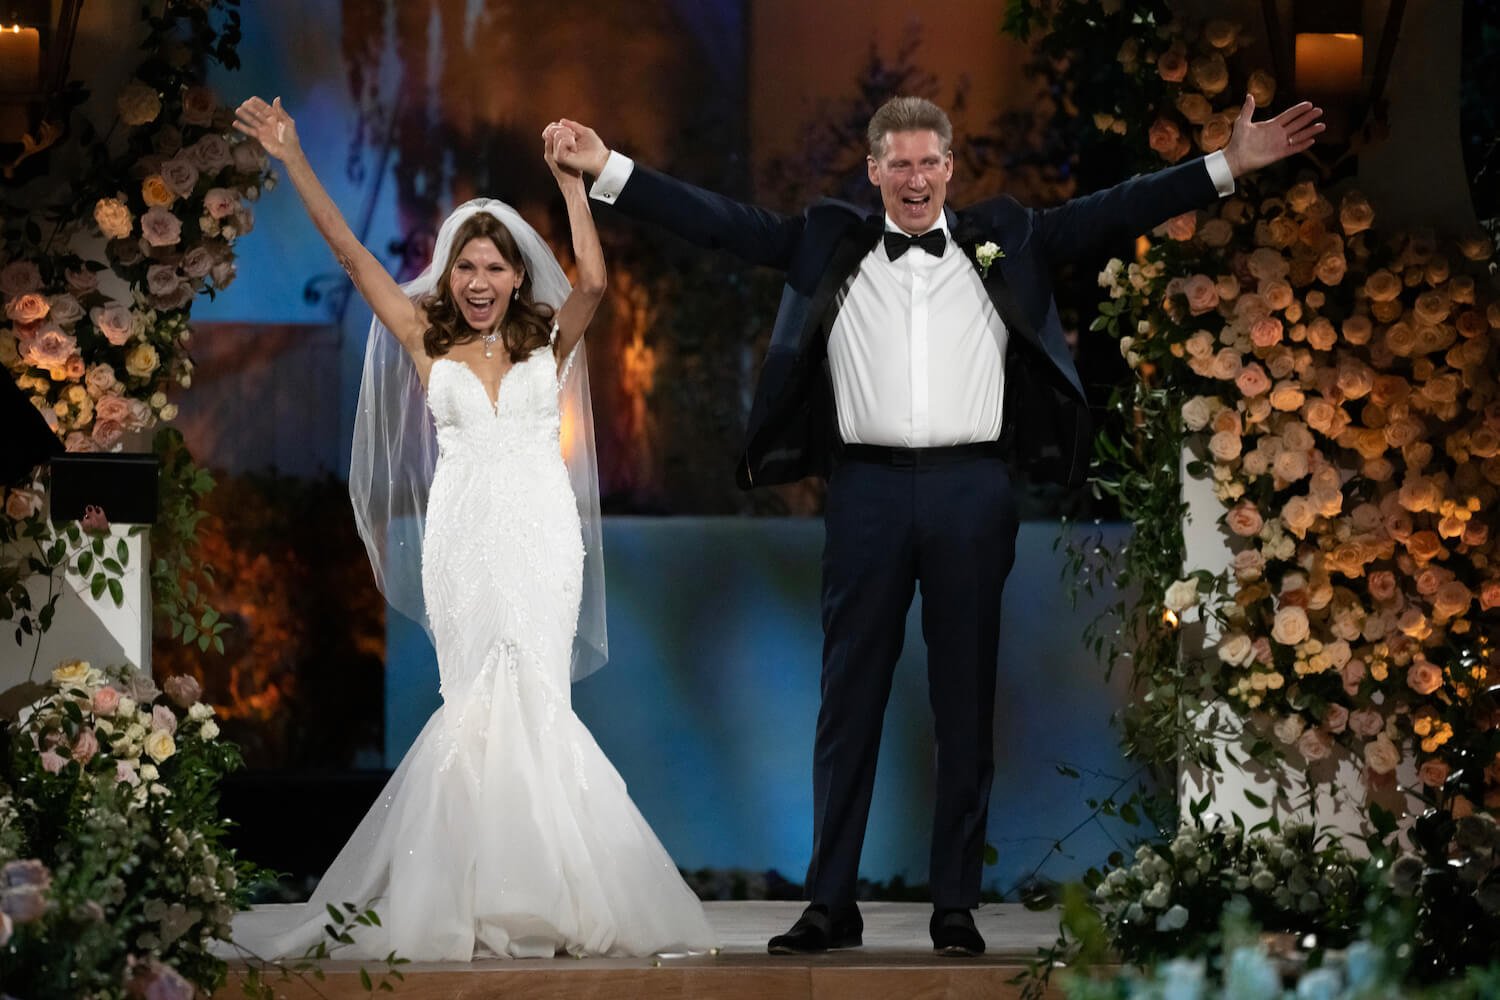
(917, 356)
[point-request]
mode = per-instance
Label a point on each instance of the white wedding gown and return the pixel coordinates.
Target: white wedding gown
(505, 830)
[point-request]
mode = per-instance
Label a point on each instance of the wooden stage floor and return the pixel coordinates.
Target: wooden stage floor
(896, 963)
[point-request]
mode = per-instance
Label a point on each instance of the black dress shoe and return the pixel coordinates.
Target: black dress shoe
(954, 934)
(817, 930)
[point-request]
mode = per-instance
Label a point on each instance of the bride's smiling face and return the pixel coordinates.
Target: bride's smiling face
(482, 282)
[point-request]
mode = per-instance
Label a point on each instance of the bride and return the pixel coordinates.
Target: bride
(505, 831)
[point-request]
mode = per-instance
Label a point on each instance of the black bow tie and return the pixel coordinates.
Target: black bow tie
(897, 244)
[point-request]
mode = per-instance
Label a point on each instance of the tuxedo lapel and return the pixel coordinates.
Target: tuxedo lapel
(967, 237)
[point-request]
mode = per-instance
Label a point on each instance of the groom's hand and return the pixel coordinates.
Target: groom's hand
(586, 153)
(1259, 144)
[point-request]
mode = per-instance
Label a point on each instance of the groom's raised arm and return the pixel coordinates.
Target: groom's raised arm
(701, 217)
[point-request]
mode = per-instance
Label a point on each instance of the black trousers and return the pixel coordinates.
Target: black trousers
(950, 529)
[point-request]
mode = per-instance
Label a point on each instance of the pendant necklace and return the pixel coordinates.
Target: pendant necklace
(489, 343)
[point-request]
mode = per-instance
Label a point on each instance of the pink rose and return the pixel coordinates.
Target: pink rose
(19, 277)
(223, 274)
(160, 228)
(1252, 380)
(162, 279)
(1336, 719)
(1244, 519)
(197, 262)
(1181, 227)
(51, 349)
(125, 771)
(53, 762)
(82, 281)
(210, 154)
(1366, 722)
(179, 175)
(113, 321)
(107, 433)
(1315, 745)
(1202, 294)
(99, 380)
(1352, 673)
(163, 719)
(1248, 565)
(183, 689)
(85, 746)
(106, 700)
(249, 157)
(1433, 773)
(1423, 677)
(220, 203)
(112, 407)
(23, 906)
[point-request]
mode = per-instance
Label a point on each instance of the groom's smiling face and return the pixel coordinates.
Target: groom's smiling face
(912, 173)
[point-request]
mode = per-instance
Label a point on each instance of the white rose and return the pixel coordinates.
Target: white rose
(1182, 595)
(1197, 412)
(209, 730)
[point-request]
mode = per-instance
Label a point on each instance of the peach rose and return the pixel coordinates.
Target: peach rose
(1227, 421)
(220, 203)
(198, 106)
(1290, 465)
(1352, 673)
(1227, 364)
(1244, 519)
(1224, 446)
(1336, 719)
(1166, 140)
(28, 308)
(1262, 87)
(1356, 214)
(1433, 773)
(155, 193)
(1315, 745)
(1298, 515)
(1382, 286)
(1194, 107)
(1172, 65)
(1452, 599)
(1210, 73)
(1287, 397)
(1216, 234)
(1215, 134)
(1181, 227)
(1252, 380)
(1423, 677)
(1248, 565)
(1489, 595)
(1277, 293)
(1290, 626)
(1266, 333)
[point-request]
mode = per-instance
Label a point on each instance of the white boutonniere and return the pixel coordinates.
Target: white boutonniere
(986, 254)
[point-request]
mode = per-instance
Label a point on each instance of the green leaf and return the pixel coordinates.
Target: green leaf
(122, 552)
(365, 981)
(117, 591)
(335, 914)
(1254, 800)
(96, 586)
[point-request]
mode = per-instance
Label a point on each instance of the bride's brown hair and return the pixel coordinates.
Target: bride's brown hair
(527, 324)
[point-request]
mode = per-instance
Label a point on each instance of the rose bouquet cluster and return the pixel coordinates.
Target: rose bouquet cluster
(1345, 390)
(114, 868)
(1172, 898)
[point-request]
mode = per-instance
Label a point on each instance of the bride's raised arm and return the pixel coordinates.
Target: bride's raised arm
(277, 132)
(578, 309)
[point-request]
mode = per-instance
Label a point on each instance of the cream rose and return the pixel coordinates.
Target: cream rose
(138, 103)
(1289, 729)
(113, 218)
(1237, 650)
(142, 360)
(1182, 595)
(1290, 626)
(1210, 73)
(72, 674)
(1381, 755)
(159, 745)
(1197, 412)
(1224, 446)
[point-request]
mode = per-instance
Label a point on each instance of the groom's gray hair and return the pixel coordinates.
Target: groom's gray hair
(908, 114)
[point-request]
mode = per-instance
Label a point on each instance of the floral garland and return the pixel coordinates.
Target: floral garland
(1342, 382)
(114, 877)
(97, 303)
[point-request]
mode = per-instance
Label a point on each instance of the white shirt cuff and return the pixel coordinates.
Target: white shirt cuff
(617, 170)
(1218, 172)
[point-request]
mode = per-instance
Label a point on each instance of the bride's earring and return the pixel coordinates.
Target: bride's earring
(516, 294)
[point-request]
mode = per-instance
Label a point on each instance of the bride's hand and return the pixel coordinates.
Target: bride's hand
(560, 141)
(270, 125)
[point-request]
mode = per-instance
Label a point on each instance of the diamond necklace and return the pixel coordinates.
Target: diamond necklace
(489, 342)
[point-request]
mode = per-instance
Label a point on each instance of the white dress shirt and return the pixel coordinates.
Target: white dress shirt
(917, 349)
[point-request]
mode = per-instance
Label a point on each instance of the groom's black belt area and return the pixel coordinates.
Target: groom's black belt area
(880, 454)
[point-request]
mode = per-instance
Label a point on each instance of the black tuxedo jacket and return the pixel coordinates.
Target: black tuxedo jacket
(792, 432)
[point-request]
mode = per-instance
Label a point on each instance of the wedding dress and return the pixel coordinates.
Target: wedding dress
(505, 830)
